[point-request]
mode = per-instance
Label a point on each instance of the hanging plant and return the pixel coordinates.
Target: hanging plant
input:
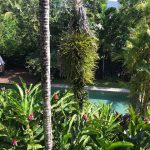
(78, 55)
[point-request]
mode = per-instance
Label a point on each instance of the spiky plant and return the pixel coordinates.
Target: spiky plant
(78, 54)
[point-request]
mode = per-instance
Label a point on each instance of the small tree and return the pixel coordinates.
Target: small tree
(137, 62)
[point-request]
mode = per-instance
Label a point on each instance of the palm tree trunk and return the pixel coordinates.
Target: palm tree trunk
(45, 75)
(81, 16)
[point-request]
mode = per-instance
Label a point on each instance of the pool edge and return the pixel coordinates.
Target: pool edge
(96, 88)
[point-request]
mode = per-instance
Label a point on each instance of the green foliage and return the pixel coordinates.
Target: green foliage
(26, 16)
(78, 56)
(95, 10)
(117, 24)
(18, 29)
(64, 113)
(99, 131)
(135, 57)
(138, 131)
(115, 145)
(33, 65)
(9, 38)
(20, 115)
(94, 127)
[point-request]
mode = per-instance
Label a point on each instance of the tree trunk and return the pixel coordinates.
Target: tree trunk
(45, 75)
(81, 16)
(94, 7)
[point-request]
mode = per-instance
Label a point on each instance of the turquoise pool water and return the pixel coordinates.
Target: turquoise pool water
(120, 101)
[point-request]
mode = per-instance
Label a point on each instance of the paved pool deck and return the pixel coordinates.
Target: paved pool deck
(96, 88)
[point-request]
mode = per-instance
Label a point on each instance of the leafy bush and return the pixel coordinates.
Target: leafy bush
(137, 130)
(78, 56)
(20, 115)
(33, 65)
(8, 34)
(135, 57)
(94, 127)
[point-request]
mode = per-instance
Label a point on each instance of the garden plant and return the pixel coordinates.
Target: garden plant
(94, 127)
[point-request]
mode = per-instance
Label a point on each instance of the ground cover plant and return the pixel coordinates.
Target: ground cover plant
(94, 127)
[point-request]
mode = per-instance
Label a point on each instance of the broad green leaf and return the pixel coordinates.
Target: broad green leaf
(120, 145)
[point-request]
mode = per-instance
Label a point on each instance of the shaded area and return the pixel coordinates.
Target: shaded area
(13, 75)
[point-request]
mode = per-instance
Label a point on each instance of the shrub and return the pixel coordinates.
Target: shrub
(137, 131)
(20, 115)
(33, 65)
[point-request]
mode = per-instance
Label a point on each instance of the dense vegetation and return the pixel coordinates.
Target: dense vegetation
(94, 127)
(119, 37)
(123, 34)
(112, 27)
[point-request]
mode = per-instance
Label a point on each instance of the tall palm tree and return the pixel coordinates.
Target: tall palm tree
(45, 64)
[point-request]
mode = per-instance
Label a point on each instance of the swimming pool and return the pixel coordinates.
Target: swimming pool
(120, 101)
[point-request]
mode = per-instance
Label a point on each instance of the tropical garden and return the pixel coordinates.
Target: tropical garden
(79, 41)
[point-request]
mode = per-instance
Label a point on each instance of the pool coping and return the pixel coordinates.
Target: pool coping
(93, 88)
(96, 88)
